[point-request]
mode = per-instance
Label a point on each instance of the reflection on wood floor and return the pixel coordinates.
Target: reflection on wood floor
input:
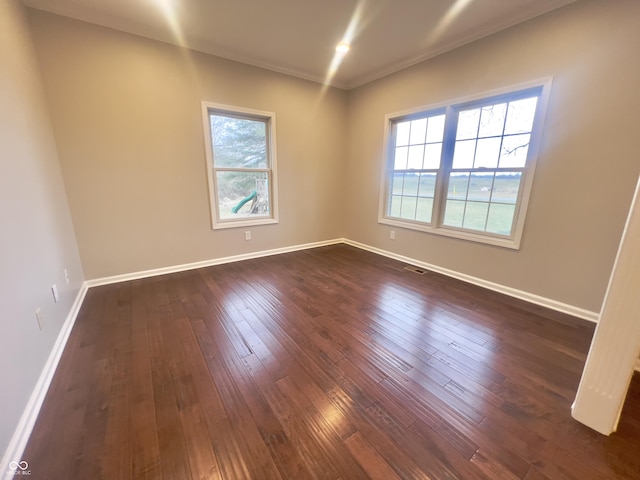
(328, 363)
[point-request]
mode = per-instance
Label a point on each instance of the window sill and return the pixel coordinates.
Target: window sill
(243, 223)
(504, 242)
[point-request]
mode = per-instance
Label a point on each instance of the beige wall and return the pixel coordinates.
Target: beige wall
(37, 240)
(126, 113)
(127, 116)
(587, 168)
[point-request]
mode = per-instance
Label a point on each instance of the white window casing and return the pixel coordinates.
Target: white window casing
(492, 167)
(240, 147)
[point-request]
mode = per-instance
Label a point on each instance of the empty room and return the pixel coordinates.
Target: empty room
(341, 239)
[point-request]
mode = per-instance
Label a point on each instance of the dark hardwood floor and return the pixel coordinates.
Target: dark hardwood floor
(330, 363)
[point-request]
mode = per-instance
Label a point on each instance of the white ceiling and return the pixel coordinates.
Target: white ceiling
(298, 37)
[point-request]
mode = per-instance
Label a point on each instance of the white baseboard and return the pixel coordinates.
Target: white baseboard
(512, 292)
(638, 365)
(496, 287)
(21, 435)
(207, 263)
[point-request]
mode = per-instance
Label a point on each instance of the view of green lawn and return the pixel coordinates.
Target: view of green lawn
(477, 201)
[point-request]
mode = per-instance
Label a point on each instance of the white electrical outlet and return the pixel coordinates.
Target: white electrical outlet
(392, 235)
(39, 318)
(247, 235)
(66, 276)
(54, 291)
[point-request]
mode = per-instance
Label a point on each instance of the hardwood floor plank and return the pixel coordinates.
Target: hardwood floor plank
(283, 452)
(516, 438)
(369, 459)
(144, 442)
(329, 363)
(557, 463)
(315, 457)
(172, 449)
(325, 436)
(97, 416)
(248, 455)
(493, 468)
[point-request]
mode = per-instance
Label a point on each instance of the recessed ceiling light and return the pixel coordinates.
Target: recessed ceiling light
(343, 47)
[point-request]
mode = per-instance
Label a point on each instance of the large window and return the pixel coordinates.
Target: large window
(465, 169)
(241, 165)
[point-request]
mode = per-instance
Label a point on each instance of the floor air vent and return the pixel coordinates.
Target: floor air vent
(418, 270)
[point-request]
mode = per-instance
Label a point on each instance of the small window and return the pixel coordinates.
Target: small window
(241, 165)
(465, 169)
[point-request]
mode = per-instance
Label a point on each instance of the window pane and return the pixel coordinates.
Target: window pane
(468, 124)
(427, 185)
(492, 120)
(475, 215)
(425, 207)
(480, 186)
(416, 155)
(487, 153)
(410, 186)
(394, 207)
(505, 188)
(402, 133)
(514, 151)
(408, 208)
(458, 184)
(435, 130)
(238, 142)
(464, 153)
(432, 155)
(418, 131)
(400, 160)
(454, 212)
(484, 151)
(396, 184)
(520, 116)
(242, 194)
(500, 218)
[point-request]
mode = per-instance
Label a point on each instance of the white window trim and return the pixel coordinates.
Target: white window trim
(270, 117)
(513, 241)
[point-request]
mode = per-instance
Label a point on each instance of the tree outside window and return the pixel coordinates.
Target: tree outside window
(241, 161)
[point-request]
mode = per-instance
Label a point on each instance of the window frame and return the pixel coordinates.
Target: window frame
(451, 109)
(269, 118)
